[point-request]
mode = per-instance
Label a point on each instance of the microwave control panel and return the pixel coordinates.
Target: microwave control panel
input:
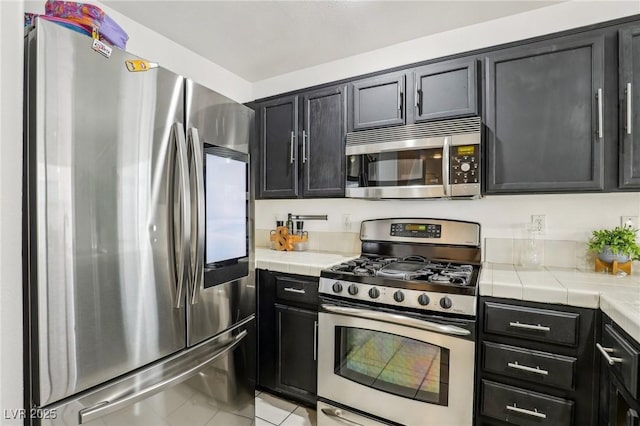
(417, 230)
(465, 164)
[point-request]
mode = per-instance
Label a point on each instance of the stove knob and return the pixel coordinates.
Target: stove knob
(446, 303)
(353, 289)
(398, 296)
(337, 287)
(374, 293)
(423, 299)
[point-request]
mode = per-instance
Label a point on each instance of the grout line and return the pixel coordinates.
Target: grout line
(288, 415)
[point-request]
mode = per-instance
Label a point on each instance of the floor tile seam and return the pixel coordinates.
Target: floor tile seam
(289, 415)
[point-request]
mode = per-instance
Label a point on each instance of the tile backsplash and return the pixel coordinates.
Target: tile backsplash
(556, 253)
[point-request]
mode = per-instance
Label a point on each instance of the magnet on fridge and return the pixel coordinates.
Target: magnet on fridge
(138, 65)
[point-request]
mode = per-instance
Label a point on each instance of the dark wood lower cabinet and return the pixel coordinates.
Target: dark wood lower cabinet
(297, 348)
(536, 364)
(287, 335)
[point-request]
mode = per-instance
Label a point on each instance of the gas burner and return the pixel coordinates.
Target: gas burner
(364, 270)
(425, 271)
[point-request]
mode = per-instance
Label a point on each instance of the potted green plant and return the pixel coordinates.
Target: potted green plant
(618, 244)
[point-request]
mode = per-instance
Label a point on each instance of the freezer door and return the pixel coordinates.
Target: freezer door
(108, 230)
(210, 384)
(214, 303)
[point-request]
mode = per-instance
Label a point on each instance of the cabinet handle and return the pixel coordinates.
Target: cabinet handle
(605, 354)
(600, 115)
(304, 146)
(534, 413)
(315, 340)
(536, 370)
(418, 97)
(294, 290)
(629, 113)
(529, 326)
(291, 158)
(400, 98)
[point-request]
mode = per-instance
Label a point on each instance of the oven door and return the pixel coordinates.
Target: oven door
(404, 169)
(400, 368)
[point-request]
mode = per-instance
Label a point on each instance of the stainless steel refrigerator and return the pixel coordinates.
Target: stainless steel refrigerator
(139, 277)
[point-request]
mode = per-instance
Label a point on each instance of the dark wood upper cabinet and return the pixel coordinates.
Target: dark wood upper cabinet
(302, 139)
(629, 97)
(323, 139)
(378, 101)
(446, 90)
(279, 148)
(544, 116)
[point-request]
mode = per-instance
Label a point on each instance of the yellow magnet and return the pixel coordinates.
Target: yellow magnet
(138, 65)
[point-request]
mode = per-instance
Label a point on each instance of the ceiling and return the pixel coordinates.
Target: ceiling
(260, 39)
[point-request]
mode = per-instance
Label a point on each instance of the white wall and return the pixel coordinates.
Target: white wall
(150, 45)
(542, 21)
(11, 36)
(569, 216)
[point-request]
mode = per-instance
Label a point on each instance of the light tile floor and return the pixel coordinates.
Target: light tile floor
(271, 410)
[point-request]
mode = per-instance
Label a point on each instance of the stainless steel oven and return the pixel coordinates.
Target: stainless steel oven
(429, 160)
(396, 342)
(397, 366)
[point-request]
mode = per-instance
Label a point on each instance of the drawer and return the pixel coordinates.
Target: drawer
(522, 407)
(526, 364)
(532, 323)
(626, 358)
(297, 290)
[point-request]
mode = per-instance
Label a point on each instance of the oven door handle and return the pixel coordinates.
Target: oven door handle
(396, 319)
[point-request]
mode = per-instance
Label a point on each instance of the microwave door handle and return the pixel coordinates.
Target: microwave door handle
(445, 166)
(196, 173)
(181, 197)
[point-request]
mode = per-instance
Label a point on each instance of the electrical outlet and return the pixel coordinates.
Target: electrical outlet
(629, 222)
(346, 222)
(539, 222)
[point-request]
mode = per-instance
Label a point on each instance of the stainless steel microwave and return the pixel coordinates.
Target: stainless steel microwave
(429, 160)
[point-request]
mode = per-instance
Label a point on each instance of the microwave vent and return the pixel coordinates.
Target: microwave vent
(416, 131)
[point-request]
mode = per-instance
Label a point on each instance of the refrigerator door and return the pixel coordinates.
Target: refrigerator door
(108, 230)
(225, 128)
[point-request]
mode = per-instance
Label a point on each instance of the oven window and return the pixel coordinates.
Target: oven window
(399, 168)
(394, 364)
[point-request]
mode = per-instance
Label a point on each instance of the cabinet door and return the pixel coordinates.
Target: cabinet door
(297, 350)
(279, 148)
(544, 109)
(378, 101)
(446, 89)
(629, 54)
(323, 137)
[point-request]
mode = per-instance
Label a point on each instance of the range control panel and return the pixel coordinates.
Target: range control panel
(465, 164)
(417, 230)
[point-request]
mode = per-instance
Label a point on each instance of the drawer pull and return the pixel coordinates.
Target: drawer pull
(536, 370)
(294, 290)
(529, 326)
(534, 413)
(605, 353)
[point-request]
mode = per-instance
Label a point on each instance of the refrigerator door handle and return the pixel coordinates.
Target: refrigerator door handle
(196, 173)
(106, 407)
(181, 204)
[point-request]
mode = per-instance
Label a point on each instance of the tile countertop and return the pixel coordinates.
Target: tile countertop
(618, 297)
(299, 262)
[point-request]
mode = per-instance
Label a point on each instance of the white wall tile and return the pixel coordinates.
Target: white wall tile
(498, 250)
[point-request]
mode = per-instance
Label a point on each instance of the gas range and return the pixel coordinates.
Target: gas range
(418, 264)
